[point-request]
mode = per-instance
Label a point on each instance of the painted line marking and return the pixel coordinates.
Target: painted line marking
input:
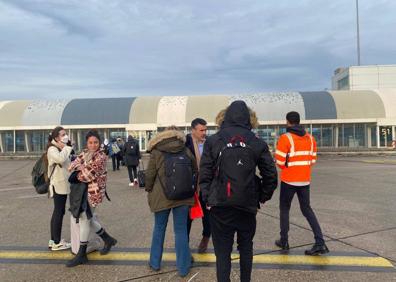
(17, 188)
(33, 196)
(269, 259)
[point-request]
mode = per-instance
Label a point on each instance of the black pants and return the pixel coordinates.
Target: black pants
(132, 172)
(224, 223)
(286, 196)
(57, 217)
(116, 162)
(205, 220)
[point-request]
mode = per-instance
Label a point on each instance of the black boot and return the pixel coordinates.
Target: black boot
(108, 242)
(317, 249)
(281, 244)
(80, 258)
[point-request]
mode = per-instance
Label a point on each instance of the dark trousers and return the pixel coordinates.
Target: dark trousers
(132, 172)
(57, 217)
(205, 220)
(224, 223)
(286, 196)
(115, 161)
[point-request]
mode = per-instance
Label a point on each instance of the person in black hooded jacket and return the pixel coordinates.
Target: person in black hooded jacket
(230, 215)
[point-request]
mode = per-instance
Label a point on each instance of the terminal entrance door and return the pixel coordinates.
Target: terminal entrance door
(385, 136)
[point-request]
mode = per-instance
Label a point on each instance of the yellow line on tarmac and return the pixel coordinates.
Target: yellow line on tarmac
(258, 259)
(323, 260)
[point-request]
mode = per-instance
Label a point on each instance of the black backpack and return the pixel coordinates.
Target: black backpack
(40, 179)
(131, 148)
(236, 180)
(179, 176)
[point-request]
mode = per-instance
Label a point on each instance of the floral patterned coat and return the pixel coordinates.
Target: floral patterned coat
(94, 173)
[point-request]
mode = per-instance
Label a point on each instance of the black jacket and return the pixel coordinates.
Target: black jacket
(79, 199)
(131, 152)
(237, 122)
(190, 144)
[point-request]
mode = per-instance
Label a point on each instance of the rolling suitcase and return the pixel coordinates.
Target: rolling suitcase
(141, 176)
(94, 241)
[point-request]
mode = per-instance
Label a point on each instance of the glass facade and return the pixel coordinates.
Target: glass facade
(385, 136)
(37, 140)
(351, 135)
(7, 140)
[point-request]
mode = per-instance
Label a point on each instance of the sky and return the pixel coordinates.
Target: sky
(56, 49)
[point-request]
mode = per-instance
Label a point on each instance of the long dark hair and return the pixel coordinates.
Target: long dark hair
(54, 133)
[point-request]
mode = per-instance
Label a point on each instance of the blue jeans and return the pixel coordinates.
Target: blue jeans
(183, 255)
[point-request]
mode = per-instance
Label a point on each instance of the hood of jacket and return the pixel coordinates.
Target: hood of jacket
(297, 129)
(171, 141)
(131, 139)
(237, 114)
(220, 118)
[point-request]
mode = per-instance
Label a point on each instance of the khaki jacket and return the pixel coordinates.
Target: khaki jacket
(171, 141)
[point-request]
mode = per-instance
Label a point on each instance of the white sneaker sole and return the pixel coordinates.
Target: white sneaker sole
(61, 248)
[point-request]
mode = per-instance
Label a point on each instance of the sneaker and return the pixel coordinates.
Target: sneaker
(131, 184)
(63, 245)
(317, 250)
(135, 182)
(283, 245)
(50, 244)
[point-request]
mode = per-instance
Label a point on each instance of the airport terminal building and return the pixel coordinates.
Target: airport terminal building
(348, 119)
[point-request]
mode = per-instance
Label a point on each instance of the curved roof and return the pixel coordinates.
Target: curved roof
(319, 105)
(172, 110)
(273, 106)
(358, 104)
(144, 110)
(11, 113)
(97, 111)
(388, 98)
(44, 113)
(206, 107)
(180, 110)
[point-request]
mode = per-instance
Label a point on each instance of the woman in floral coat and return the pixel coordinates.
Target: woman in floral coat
(90, 167)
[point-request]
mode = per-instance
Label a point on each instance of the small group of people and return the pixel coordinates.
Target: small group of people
(125, 153)
(230, 193)
(217, 173)
(88, 174)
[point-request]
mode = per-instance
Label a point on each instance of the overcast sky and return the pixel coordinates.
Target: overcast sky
(113, 48)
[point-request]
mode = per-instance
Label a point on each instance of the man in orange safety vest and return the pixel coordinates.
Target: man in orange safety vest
(295, 155)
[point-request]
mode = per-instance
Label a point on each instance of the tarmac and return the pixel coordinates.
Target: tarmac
(353, 198)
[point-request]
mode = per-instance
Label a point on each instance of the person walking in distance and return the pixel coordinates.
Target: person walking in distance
(295, 155)
(131, 151)
(114, 150)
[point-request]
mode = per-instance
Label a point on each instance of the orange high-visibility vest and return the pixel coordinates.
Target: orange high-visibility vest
(294, 156)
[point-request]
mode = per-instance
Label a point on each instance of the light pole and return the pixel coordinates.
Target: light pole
(358, 32)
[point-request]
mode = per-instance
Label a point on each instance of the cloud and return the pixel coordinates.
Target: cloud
(92, 48)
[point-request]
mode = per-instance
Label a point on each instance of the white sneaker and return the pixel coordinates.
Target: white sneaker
(131, 184)
(63, 245)
(50, 243)
(136, 182)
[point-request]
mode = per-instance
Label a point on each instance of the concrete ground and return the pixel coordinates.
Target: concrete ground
(353, 197)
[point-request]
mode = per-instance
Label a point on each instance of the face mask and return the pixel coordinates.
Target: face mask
(65, 139)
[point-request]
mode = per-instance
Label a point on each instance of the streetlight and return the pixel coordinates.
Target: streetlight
(358, 32)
